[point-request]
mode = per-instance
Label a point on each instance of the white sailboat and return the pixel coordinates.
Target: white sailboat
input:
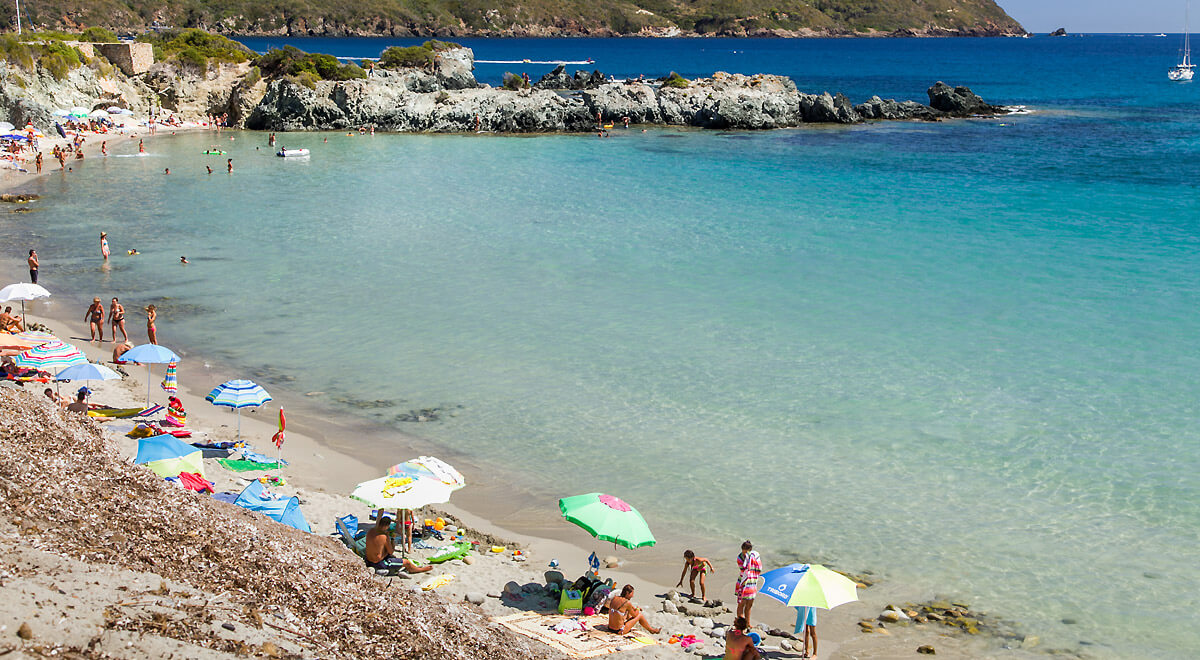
(1185, 69)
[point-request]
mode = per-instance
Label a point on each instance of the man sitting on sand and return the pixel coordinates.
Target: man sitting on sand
(380, 550)
(80, 405)
(10, 323)
(738, 644)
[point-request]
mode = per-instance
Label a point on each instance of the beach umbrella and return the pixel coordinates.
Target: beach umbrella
(6, 127)
(808, 585)
(79, 111)
(51, 355)
(170, 383)
(97, 114)
(607, 518)
(238, 394)
(401, 492)
(87, 371)
(429, 467)
(167, 456)
(24, 340)
(22, 291)
(61, 113)
(149, 354)
(117, 110)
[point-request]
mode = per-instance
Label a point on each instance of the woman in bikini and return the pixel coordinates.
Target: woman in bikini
(699, 566)
(104, 244)
(623, 616)
(151, 317)
(116, 316)
(95, 318)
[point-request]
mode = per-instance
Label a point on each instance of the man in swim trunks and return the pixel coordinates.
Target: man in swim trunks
(738, 644)
(33, 266)
(750, 567)
(380, 549)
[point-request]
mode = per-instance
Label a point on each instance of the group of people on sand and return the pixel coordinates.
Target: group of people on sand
(738, 644)
(116, 318)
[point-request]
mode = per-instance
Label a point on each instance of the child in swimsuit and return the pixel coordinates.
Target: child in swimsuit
(151, 317)
(699, 567)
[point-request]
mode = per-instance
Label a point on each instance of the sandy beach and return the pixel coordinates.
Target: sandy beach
(328, 455)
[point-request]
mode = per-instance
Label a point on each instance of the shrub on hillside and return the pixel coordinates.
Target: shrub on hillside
(98, 35)
(675, 80)
(414, 57)
(291, 61)
(196, 47)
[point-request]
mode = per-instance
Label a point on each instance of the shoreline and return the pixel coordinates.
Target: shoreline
(313, 432)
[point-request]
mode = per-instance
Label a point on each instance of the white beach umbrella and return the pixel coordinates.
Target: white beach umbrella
(97, 114)
(62, 113)
(22, 291)
(79, 111)
(6, 127)
(116, 110)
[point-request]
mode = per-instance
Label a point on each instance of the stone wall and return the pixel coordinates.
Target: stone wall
(131, 57)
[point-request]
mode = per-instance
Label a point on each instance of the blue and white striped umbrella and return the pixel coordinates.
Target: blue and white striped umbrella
(238, 394)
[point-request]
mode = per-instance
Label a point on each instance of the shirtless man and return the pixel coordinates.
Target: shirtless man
(80, 405)
(121, 350)
(380, 549)
(10, 323)
(739, 645)
(33, 266)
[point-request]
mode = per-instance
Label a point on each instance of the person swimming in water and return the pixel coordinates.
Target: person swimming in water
(183, 260)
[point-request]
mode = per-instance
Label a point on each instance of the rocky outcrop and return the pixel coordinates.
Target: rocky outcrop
(34, 95)
(195, 93)
(725, 101)
(560, 79)
(959, 101)
(1060, 32)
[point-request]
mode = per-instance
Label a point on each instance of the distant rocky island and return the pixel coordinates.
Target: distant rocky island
(534, 18)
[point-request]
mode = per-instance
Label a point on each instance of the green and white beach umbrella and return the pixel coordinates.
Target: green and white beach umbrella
(607, 518)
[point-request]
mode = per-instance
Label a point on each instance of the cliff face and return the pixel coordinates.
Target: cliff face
(461, 18)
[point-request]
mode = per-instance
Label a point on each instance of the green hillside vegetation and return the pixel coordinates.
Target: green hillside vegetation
(305, 68)
(196, 47)
(482, 17)
(414, 57)
(44, 50)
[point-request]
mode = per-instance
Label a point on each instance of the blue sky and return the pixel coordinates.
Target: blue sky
(1100, 15)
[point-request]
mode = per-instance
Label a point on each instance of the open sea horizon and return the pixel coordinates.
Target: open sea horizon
(962, 355)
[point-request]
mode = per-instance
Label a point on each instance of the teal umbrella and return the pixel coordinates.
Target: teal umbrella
(607, 518)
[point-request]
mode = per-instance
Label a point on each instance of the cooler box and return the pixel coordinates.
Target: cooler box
(570, 602)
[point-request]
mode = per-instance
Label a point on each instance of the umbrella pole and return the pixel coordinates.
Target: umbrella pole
(239, 424)
(24, 323)
(149, 376)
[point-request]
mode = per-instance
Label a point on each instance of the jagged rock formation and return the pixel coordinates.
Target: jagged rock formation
(446, 98)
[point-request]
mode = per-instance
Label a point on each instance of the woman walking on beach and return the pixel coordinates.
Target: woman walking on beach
(151, 317)
(699, 567)
(104, 246)
(750, 565)
(95, 318)
(116, 316)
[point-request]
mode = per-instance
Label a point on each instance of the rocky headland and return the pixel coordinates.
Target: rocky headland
(444, 97)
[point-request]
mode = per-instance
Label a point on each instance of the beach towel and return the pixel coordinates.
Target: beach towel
(225, 444)
(588, 643)
(147, 412)
(246, 466)
(255, 457)
(195, 482)
(439, 581)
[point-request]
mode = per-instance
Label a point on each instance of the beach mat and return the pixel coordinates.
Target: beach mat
(581, 644)
(245, 466)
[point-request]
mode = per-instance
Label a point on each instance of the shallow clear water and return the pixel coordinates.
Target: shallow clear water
(960, 354)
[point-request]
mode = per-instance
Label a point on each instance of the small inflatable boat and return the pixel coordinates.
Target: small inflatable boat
(291, 153)
(212, 152)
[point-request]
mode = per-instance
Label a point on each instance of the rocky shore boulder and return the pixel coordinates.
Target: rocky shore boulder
(890, 109)
(826, 109)
(617, 100)
(560, 79)
(960, 101)
(732, 102)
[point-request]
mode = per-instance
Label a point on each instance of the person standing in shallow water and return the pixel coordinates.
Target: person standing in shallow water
(33, 266)
(151, 317)
(95, 318)
(104, 244)
(116, 316)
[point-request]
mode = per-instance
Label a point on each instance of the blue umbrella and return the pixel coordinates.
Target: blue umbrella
(87, 371)
(238, 394)
(149, 354)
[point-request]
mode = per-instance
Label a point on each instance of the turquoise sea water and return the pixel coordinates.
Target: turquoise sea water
(962, 355)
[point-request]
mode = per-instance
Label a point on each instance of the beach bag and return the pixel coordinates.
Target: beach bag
(570, 602)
